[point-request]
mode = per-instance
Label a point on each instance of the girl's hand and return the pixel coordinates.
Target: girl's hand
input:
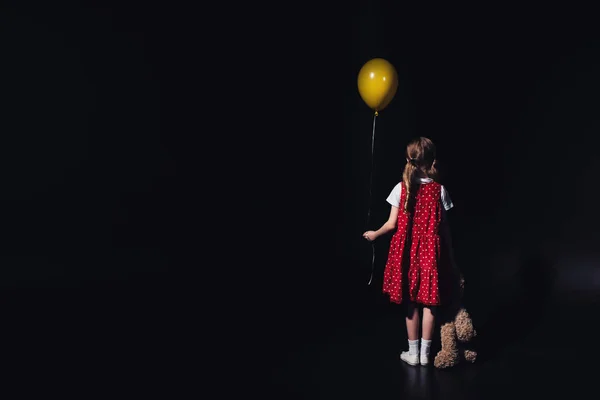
(370, 235)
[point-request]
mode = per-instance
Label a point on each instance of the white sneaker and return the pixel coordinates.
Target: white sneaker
(424, 359)
(409, 359)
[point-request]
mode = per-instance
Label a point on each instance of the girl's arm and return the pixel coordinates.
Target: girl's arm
(388, 226)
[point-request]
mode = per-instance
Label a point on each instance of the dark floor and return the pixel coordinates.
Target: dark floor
(121, 340)
(110, 339)
(544, 351)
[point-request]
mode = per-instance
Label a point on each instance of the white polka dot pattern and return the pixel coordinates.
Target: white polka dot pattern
(424, 256)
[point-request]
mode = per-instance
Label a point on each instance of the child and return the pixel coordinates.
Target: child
(419, 265)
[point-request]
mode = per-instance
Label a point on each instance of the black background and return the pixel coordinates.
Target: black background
(507, 95)
(164, 166)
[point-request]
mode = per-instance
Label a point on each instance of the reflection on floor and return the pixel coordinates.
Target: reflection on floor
(358, 358)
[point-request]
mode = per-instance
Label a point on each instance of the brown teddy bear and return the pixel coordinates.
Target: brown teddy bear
(456, 336)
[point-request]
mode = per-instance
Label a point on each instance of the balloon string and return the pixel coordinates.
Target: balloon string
(370, 192)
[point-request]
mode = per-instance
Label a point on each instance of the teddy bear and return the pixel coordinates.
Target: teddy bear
(457, 334)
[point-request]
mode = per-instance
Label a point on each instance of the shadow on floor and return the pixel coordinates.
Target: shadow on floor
(508, 320)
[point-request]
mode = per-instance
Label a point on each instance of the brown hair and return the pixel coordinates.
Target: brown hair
(420, 162)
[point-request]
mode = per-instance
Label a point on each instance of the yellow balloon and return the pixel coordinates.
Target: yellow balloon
(377, 83)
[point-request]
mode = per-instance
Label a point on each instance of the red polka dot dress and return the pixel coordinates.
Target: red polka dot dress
(414, 257)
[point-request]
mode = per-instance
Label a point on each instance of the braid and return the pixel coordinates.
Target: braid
(407, 178)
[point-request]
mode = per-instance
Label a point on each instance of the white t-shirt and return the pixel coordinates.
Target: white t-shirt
(395, 195)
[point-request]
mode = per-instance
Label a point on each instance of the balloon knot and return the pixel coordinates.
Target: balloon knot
(376, 114)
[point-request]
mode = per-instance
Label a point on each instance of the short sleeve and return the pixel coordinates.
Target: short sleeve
(446, 200)
(394, 197)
